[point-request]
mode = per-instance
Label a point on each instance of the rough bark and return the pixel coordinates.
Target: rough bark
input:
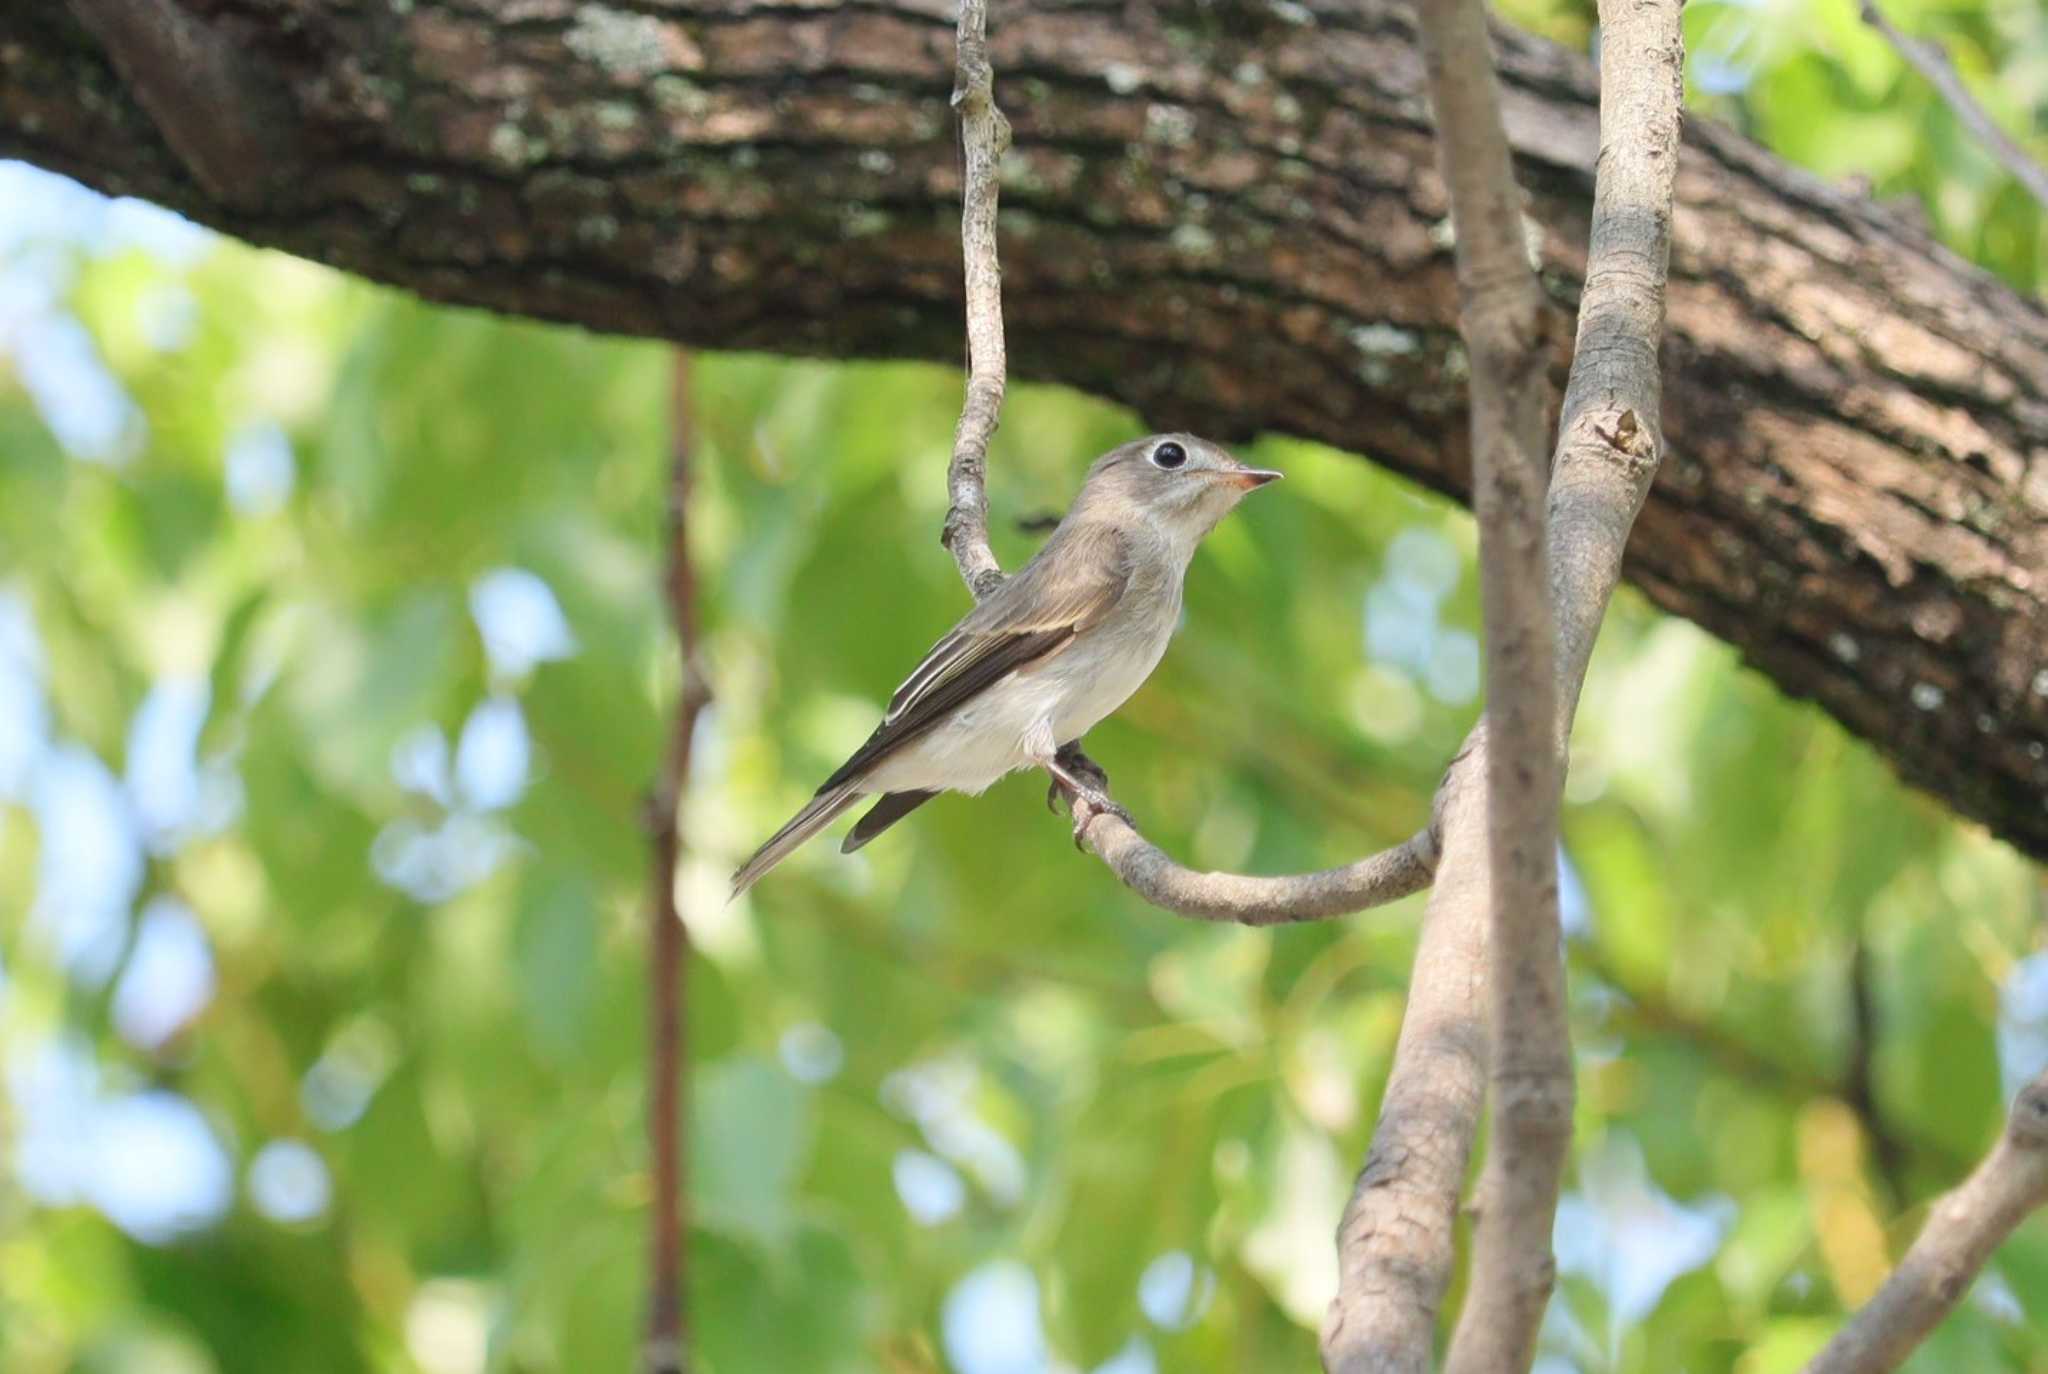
(1229, 219)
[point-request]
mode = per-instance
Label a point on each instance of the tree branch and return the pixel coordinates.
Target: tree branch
(984, 137)
(1150, 872)
(1934, 66)
(1507, 324)
(667, 1347)
(1961, 1233)
(1395, 1243)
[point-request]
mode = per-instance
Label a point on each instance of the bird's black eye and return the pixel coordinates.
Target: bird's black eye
(1169, 455)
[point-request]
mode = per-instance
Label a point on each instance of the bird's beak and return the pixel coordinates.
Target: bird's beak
(1249, 479)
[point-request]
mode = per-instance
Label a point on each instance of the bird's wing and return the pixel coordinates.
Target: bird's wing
(1076, 579)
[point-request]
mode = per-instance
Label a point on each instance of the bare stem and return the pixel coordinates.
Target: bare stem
(1150, 872)
(1961, 1233)
(667, 1347)
(1933, 64)
(984, 137)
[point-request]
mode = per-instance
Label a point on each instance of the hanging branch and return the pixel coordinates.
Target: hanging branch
(1395, 1247)
(984, 137)
(667, 1347)
(1961, 1233)
(1934, 66)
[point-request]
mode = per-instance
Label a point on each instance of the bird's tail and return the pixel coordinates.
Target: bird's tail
(816, 815)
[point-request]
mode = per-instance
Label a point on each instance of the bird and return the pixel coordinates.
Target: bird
(1051, 652)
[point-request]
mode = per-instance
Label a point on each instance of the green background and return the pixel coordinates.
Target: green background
(321, 923)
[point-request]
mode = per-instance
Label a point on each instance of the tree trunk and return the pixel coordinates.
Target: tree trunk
(1227, 217)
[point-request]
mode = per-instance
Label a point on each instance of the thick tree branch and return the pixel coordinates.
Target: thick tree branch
(1961, 1233)
(1935, 68)
(667, 1346)
(1506, 325)
(1231, 227)
(984, 138)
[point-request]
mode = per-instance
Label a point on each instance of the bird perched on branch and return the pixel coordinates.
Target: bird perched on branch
(1052, 651)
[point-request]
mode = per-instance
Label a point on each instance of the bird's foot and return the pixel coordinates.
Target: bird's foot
(1081, 782)
(1082, 767)
(1073, 771)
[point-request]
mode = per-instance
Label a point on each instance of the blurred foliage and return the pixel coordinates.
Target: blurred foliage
(1822, 89)
(332, 676)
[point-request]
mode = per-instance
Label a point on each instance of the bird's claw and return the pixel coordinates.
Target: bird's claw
(1081, 766)
(1081, 782)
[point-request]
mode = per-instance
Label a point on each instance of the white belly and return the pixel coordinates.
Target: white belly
(1025, 718)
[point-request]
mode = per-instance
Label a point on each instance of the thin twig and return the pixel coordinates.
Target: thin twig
(1150, 872)
(984, 136)
(224, 113)
(667, 1347)
(1961, 1233)
(1933, 64)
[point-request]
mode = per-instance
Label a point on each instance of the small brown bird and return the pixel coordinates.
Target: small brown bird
(1054, 650)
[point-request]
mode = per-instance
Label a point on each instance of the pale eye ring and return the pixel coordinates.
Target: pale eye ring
(1169, 455)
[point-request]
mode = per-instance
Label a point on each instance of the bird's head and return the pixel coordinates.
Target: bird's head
(1176, 481)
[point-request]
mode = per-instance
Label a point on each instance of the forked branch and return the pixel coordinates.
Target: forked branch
(1507, 324)
(1395, 1249)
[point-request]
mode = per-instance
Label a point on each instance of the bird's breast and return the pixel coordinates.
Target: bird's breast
(1103, 667)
